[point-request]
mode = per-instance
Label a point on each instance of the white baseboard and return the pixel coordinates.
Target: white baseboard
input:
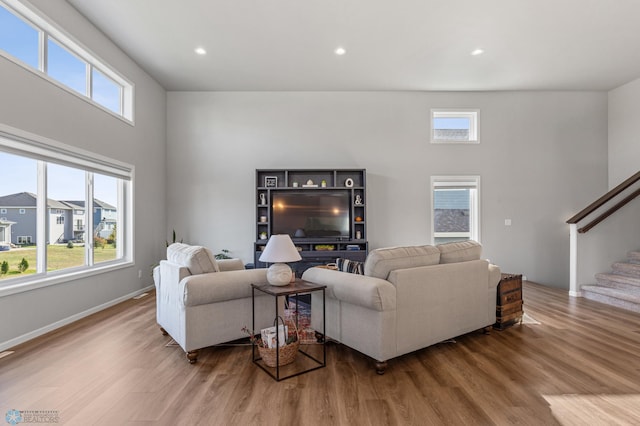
(43, 330)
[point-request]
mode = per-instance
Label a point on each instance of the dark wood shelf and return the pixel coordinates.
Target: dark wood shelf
(335, 179)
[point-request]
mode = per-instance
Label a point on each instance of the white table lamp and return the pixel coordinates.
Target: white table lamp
(279, 249)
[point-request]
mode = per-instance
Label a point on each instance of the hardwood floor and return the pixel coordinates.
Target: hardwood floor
(578, 366)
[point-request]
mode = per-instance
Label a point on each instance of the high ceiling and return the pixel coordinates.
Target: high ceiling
(390, 45)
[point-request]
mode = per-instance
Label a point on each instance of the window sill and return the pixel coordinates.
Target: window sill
(449, 142)
(29, 284)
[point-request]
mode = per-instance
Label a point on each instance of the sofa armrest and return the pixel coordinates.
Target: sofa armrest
(494, 276)
(220, 286)
(170, 275)
(230, 265)
(369, 292)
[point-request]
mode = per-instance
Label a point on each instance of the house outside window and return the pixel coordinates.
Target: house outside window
(455, 212)
(57, 189)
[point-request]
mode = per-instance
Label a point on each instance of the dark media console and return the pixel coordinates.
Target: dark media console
(324, 212)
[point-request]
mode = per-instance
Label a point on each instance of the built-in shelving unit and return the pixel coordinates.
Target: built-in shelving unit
(314, 251)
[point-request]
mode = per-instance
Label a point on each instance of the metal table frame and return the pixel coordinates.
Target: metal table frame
(295, 288)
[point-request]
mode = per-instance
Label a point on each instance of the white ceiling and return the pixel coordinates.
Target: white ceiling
(391, 45)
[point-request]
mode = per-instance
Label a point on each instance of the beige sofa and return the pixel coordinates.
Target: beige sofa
(201, 301)
(408, 298)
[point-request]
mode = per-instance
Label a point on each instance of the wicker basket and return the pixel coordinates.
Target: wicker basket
(287, 353)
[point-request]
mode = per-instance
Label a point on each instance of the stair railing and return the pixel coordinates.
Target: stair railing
(602, 201)
(587, 211)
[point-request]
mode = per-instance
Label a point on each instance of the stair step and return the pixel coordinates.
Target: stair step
(618, 281)
(634, 256)
(627, 268)
(629, 300)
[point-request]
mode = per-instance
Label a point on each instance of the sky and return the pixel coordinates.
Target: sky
(19, 174)
(19, 40)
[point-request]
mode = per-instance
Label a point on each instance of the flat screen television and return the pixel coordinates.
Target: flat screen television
(311, 214)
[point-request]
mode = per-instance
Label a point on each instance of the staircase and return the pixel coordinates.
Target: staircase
(620, 287)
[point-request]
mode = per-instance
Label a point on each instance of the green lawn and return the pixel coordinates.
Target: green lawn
(58, 257)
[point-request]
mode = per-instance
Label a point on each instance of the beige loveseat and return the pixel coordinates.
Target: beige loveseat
(202, 301)
(408, 298)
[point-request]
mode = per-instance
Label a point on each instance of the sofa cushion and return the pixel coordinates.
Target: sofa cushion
(351, 266)
(198, 259)
(382, 261)
(461, 251)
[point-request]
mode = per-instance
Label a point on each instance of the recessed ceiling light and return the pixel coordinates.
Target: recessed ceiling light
(340, 51)
(200, 51)
(477, 52)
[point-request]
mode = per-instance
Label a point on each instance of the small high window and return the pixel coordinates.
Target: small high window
(455, 125)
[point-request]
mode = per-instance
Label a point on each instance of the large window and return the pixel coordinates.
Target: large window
(32, 41)
(67, 211)
(455, 215)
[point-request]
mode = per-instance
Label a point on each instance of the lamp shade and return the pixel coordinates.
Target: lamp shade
(280, 249)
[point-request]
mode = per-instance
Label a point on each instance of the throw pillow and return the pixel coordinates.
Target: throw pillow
(198, 259)
(351, 266)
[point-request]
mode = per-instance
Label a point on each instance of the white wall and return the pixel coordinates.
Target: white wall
(543, 156)
(609, 241)
(624, 137)
(32, 104)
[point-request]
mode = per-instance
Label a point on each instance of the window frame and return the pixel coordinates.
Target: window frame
(18, 142)
(49, 30)
(472, 114)
(20, 239)
(460, 181)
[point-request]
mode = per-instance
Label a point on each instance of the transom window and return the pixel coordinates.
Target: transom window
(32, 41)
(455, 125)
(455, 214)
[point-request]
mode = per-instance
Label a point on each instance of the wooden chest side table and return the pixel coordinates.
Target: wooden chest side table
(509, 301)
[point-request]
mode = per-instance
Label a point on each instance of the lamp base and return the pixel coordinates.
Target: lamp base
(279, 274)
